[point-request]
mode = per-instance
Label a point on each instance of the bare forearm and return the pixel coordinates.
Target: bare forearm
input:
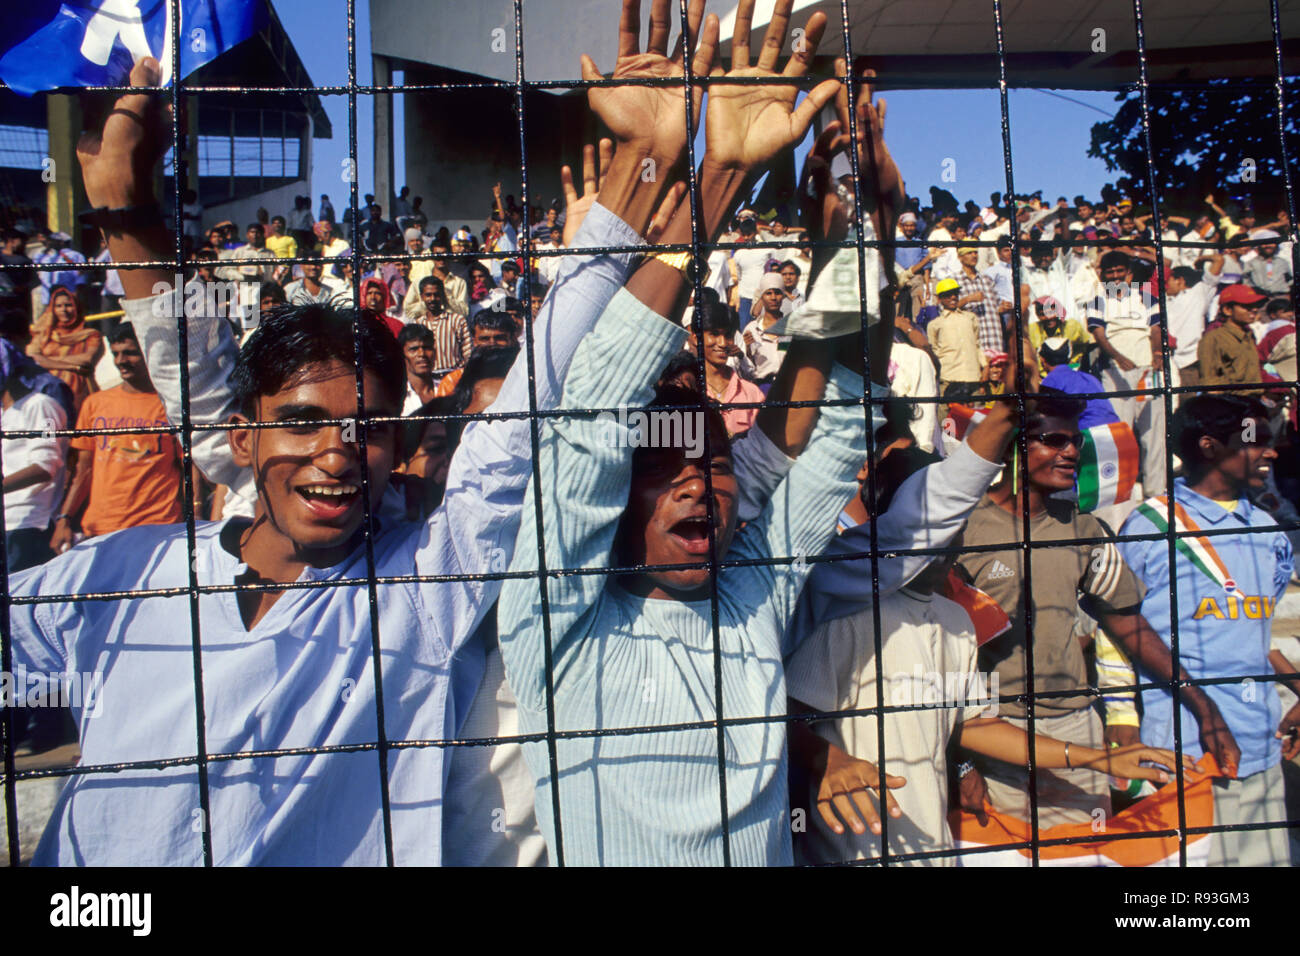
(661, 287)
(25, 478)
(802, 379)
(1003, 741)
(1284, 668)
(1143, 646)
(78, 493)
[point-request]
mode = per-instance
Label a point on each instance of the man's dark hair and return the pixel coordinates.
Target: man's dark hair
(205, 255)
(503, 320)
(510, 264)
(1052, 403)
(683, 361)
(1041, 249)
(674, 396)
(793, 265)
(432, 280)
(15, 324)
(1279, 304)
(1115, 259)
(1187, 274)
(1004, 242)
(747, 227)
(1219, 416)
(123, 333)
(256, 225)
(273, 291)
(291, 339)
(896, 467)
(716, 317)
(414, 331)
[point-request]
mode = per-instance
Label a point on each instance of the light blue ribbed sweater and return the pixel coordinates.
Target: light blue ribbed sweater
(622, 661)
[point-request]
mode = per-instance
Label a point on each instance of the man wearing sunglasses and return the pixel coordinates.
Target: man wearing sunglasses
(1053, 584)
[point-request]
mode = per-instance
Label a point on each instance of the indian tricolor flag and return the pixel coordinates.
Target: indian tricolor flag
(960, 419)
(1105, 842)
(1108, 466)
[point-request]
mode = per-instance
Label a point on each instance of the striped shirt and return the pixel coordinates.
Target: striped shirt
(451, 339)
(986, 309)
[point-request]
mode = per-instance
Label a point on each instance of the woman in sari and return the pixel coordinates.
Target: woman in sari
(63, 345)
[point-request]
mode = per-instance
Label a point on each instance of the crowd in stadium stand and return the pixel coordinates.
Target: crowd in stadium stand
(722, 349)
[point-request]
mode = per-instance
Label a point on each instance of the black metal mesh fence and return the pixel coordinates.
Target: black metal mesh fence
(180, 93)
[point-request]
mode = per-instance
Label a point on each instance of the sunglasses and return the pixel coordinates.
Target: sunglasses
(1058, 440)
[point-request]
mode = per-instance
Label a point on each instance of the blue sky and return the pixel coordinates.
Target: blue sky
(1050, 130)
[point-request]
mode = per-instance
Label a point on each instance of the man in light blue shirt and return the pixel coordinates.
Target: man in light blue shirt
(289, 668)
(1227, 586)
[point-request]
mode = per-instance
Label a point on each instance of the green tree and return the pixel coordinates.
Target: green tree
(1219, 139)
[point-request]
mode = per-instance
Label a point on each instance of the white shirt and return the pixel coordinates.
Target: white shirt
(929, 648)
(1187, 318)
(34, 506)
(749, 264)
(912, 376)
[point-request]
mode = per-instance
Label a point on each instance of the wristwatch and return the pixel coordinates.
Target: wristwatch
(964, 768)
(683, 262)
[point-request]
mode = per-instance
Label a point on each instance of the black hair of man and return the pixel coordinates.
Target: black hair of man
(511, 265)
(683, 361)
(747, 227)
(123, 333)
(505, 319)
(1279, 304)
(1115, 259)
(256, 225)
(273, 291)
(431, 281)
(1187, 274)
(1218, 416)
(791, 264)
(414, 331)
(290, 340)
(674, 396)
(716, 317)
(1041, 249)
(1004, 242)
(493, 361)
(1052, 403)
(896, 467)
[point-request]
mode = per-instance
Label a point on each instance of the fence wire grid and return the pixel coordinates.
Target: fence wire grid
(699, 247)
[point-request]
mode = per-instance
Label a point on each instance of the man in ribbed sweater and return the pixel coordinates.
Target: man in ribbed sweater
(639, 650)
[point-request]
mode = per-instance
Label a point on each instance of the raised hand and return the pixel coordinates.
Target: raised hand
(884, 196)
(652, 117)
(749, 124)
(117, 161)
(576, 207)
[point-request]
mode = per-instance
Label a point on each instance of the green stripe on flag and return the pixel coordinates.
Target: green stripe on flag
(1089, 477)
(1181, 543)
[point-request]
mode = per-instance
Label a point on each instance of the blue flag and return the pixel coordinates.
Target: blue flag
(45, 44)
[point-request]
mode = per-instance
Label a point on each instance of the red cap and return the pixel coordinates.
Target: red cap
(1240, 294)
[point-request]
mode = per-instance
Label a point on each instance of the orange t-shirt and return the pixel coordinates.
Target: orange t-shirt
(136, 479)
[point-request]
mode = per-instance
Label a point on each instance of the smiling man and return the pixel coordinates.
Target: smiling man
(1064, 576)
(1227, 587)
(296, 668)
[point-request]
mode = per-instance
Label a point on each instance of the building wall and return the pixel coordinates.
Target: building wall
(459, 143)
(277, 201)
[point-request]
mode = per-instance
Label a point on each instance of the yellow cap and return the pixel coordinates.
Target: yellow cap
(947, 285)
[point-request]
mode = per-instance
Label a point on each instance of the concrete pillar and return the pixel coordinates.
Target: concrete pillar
(65, 193)
(383, 106)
